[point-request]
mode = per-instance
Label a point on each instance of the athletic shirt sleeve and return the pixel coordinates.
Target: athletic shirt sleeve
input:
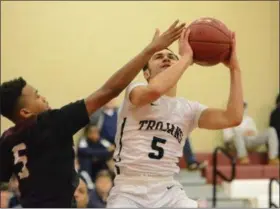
(69, 119)
(130, 88)
(195, 110)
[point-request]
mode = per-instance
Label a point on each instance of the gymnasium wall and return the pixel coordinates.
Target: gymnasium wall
(69, 49)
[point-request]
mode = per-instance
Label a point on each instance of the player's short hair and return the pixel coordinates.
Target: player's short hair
(10, 93)
(147, 65)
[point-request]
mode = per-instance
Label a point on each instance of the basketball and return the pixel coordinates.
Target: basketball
(210, 40)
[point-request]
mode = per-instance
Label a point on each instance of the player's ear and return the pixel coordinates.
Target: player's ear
(147, 74)
(25, 113)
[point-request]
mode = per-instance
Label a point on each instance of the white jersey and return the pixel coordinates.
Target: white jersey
(150, 138)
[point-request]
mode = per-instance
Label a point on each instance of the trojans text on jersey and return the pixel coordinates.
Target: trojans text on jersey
(172, 129)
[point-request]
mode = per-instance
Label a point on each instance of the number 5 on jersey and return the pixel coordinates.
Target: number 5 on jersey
(160, 151)
(23, 159)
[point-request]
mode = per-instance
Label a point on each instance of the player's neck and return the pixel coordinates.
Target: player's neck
(172, 92)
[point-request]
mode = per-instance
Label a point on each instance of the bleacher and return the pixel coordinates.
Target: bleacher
(249, 188)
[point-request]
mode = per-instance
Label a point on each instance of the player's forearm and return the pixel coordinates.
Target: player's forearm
(235, 103)
(169, 77)
(120, 80)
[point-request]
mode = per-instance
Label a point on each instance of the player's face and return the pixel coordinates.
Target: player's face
(103, 185)
(81, 195)
(159, 62)
(32, 102)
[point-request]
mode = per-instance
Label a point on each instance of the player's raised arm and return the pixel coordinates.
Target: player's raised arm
(213, 118)
(119, 81)
(165, 80)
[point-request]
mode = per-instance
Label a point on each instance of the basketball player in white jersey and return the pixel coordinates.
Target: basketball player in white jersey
(153, 124)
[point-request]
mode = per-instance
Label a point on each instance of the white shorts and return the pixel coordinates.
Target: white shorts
(148, 192)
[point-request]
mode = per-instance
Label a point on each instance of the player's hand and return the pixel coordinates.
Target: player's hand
(162, 41)
(233, 63)
(185, 49)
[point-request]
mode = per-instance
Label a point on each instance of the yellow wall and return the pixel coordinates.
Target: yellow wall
(68, 49)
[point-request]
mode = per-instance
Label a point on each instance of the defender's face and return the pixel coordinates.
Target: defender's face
(32, 102)
(159, 62)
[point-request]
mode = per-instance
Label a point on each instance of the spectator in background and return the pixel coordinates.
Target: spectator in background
(106, 120)
(94, 152)
(275, 120)
(81, 194)
(84, 174)
(103, 185)
(246, 136)
(192, 163)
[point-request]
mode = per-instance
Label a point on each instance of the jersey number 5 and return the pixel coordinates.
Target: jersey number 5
(160, 150)
(23, 159)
